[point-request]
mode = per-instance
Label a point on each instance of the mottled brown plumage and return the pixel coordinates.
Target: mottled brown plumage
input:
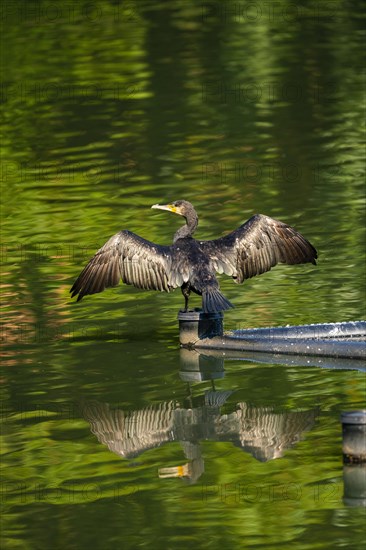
(253, 248)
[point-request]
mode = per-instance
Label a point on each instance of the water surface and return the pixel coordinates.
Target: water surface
(112, 107)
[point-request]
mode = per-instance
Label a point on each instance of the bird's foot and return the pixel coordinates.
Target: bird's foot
(194, 310)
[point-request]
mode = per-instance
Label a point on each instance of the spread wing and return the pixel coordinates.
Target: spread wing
(128, 257)
(256, 246)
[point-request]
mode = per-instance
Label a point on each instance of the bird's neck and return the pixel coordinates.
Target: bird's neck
(188, 229)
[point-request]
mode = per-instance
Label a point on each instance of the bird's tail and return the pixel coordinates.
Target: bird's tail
(213, 301)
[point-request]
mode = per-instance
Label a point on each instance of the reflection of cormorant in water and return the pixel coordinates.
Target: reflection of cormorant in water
(259, 431)
(250, 250)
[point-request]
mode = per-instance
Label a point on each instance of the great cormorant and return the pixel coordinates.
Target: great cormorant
(250, 250)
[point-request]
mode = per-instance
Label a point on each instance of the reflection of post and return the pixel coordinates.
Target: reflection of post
(197, 325)
(354, 457)
(195, 366)
(354, 478)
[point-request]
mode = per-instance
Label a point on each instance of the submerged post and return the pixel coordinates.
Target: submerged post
(197, 325)
(354, 436)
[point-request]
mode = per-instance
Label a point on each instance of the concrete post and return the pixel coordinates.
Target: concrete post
(197, 325)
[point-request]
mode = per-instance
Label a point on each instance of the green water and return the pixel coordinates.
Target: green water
(239, 107)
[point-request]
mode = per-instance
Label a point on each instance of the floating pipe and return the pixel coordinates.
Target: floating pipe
(205, 330)
(353, 329)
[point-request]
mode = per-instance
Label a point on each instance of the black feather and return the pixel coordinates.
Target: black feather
(253, 248)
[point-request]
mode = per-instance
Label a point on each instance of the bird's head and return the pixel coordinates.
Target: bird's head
(185, 209)
(177, 207)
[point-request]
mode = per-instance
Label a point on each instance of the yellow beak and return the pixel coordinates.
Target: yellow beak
(168, 207)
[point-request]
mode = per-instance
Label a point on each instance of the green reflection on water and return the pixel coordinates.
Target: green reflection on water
(109, 108)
